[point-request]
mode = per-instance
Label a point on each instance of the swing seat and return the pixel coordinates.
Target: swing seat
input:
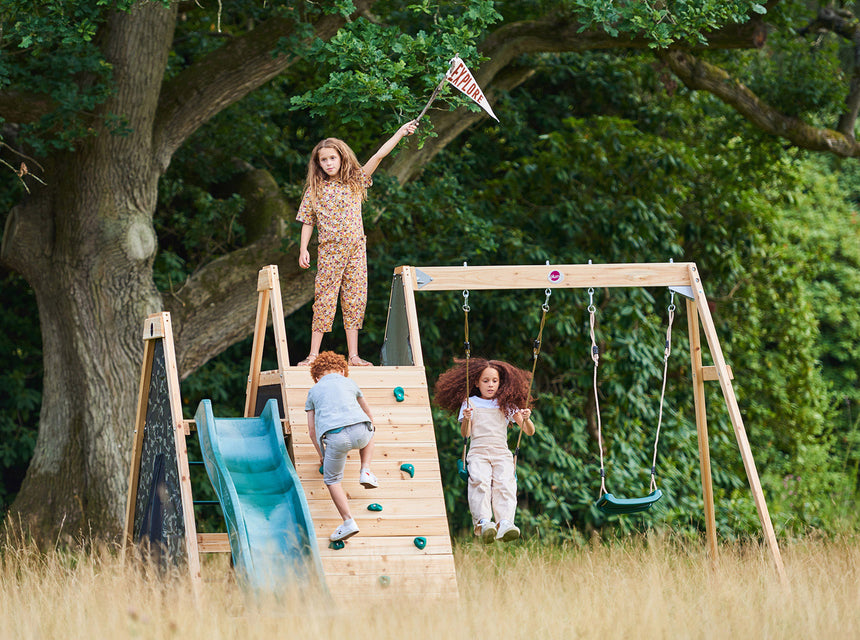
(462, 471)
(608, 503)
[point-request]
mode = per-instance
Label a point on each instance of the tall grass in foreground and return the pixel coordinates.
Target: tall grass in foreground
(659, 588)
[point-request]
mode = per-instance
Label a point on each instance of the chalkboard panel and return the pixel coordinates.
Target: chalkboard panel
(158, 516)
(264, 394)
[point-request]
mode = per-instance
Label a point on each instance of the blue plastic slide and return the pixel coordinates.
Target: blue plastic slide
(270, 528)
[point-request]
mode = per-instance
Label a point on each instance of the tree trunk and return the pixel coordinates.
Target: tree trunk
(86, 244)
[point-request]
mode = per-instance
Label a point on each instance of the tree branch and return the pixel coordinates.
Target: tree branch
(25, 107)
(843, 23)
(216, 306)
(700, 75)
(500, 72)
(225, 76)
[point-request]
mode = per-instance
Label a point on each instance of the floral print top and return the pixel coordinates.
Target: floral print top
(337, 215)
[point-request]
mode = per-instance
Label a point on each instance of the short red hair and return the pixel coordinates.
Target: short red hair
(328, 361)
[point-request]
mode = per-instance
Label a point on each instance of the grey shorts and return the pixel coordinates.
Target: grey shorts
(337, 445)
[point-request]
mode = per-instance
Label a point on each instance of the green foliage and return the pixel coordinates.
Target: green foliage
(378, 69)
(663, 22)
(21, 381)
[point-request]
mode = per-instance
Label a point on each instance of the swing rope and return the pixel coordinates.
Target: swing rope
(535, 355)
(468, 349)
(666, 352)
(595, 356)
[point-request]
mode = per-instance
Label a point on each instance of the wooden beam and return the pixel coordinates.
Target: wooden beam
(139, 424)
(702, 430)
(409, 283)
(213, 543)
(737, 420)
(172, 372)
(264, 289)
(709, 374)
(559, 276)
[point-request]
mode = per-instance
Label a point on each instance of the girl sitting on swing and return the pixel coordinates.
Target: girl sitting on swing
(494, 395)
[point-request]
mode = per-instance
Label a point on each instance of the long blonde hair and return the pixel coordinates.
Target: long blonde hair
(349, 174)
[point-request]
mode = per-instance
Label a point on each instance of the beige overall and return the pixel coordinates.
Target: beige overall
(491, 468)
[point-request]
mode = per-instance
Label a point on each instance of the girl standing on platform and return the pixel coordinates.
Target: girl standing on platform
(334, 190)
(497, 394)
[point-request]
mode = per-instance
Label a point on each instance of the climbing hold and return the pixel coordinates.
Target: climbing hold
(321, 469)
(384, 581)
(420, 542)
(408, 468)
(374, 507)
(399, 394)
(462, 471)
(337, 545)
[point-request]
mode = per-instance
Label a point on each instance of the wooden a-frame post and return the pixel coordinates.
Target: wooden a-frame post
(681, 277)
(269, 297)
(159, 400)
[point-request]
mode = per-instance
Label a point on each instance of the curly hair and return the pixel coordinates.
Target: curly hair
(328, 361)
(513, 393)
(350, 170)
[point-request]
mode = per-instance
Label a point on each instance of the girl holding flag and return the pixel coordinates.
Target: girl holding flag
(336, 186)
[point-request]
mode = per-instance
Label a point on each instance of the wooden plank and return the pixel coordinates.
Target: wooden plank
(431, 526)
(365, 587)
(304, 451)
(315, 489)
(338, 565)
(559, 276)
(412, 315)
(702, 430)
(186, 497)
(365, 377)
(710, 374)
(137, 438)
(362, 546)
(277, 307)
(213, 543)
(737, 420)
(391, 507)
(260, 323)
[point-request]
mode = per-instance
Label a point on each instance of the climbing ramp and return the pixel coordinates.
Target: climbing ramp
(404, 548)
(269, 526)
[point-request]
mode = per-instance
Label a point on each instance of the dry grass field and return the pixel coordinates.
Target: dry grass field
(655, 588)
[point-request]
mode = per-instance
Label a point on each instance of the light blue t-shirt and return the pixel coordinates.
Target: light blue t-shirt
(334, 401)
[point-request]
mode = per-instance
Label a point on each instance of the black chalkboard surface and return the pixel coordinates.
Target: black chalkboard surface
(158, 516)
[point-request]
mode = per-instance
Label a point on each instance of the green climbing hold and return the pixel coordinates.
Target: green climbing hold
(408, 468)
(420, 542)
(384, 581)
(337, 545)
(374, 507)
(462, 470)
(399, 394)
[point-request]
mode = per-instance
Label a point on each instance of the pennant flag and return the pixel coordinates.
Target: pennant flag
(460, 76)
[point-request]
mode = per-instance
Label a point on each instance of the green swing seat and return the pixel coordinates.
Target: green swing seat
(608, 503)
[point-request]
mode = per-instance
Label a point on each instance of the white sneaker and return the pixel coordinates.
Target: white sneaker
(344, 531)
(507, 531)
(367, 479)
(488, 530)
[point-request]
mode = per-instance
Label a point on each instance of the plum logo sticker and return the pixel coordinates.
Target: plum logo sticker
(555, 276)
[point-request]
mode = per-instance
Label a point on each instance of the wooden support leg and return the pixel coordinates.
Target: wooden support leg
(702, 430)
(737, 420)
